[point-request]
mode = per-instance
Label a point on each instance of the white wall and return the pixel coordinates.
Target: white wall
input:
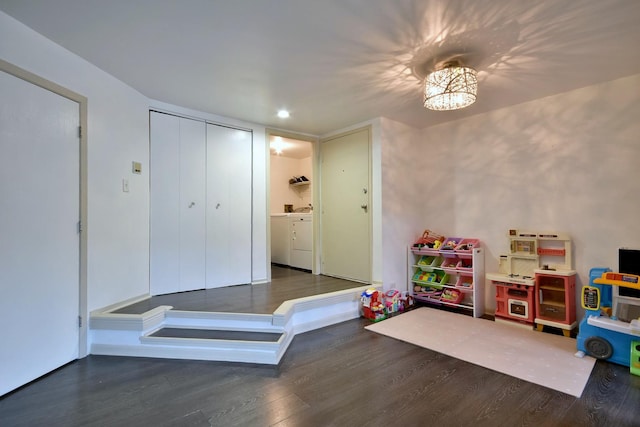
(281, 193)
(118, 225)
(405, 186)
(563, 163)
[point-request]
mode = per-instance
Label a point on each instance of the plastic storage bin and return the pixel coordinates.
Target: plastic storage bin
(464, 282)
(429, 262)
(450, 264)
(428, 294)
(465, 264)
(431, 278)
(451, 296)
(448, 247)
(466, 246)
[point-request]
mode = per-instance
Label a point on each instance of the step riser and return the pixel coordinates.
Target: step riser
(222, 321)
(213, 344)
(209, 354)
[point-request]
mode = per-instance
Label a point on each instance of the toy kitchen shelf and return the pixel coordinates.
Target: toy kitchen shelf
(535, 283)
(449, 277)
(556, 299)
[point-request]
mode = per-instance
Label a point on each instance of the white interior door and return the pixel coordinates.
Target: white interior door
(345, 198)
(229, 172)
(177, 246)
(39, 238)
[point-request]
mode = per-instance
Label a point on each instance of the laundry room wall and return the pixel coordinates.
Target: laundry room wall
(282, 170)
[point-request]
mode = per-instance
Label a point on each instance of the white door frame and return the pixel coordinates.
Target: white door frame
(82, 102)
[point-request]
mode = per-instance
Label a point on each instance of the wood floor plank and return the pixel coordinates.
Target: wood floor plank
(287, 284)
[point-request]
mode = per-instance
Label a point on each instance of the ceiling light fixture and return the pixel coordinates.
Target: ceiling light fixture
(277, 144)
(451, 87)
(283, 114)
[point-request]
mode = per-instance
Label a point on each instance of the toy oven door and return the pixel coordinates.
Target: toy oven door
(518, 308)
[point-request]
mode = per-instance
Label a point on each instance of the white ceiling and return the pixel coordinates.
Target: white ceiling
(335, 63)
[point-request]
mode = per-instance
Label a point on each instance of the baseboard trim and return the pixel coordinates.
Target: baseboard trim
(121, 304)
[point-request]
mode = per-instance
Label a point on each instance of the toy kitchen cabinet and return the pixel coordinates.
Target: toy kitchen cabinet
(555, 283)
(556, 299)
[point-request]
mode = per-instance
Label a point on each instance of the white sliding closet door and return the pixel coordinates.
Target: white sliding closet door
(177, 204)
(229, 172)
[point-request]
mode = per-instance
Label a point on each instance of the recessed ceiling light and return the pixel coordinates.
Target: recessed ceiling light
(283, 114)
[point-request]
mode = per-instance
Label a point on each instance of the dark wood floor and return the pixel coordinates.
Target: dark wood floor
(341, 375)
(286, 284)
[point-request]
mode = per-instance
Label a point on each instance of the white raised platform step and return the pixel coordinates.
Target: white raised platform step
(142, 335)
(235, 345)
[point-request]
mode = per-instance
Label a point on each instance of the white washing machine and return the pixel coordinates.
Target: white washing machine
(301, 229)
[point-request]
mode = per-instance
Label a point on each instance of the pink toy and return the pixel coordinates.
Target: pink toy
(392, 301)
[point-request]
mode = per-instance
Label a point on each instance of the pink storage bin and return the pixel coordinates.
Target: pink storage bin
(451, 296)
(428, 294)
(450, 264)
(447, 249)
(466, 246)
(464, 282)
(465, 264)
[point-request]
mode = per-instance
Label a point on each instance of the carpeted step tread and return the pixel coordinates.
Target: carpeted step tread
(212, 334)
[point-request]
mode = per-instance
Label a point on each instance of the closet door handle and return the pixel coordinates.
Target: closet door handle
(192, 204)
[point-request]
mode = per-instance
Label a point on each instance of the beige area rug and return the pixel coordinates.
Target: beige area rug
(538, 357)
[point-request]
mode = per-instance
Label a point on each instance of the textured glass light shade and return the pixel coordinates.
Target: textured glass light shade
(451, 88)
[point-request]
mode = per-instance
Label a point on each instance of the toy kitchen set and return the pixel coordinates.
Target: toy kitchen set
(535, 284)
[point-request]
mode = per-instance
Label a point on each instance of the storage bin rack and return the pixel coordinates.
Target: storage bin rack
(457, 271)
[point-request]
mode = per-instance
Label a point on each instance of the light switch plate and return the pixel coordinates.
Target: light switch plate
(136, 167)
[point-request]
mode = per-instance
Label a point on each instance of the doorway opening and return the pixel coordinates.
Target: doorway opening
(291, 200)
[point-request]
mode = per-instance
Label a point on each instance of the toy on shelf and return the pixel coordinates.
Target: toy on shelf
(602, 335)
(428, 239)
(451, 296)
